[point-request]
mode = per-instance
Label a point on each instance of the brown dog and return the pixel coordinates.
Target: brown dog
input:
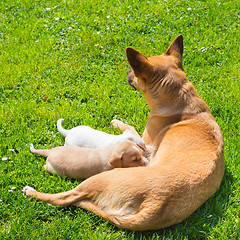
(80, 163)
(186, 168)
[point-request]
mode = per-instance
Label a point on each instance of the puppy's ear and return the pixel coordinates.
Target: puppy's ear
(143, 148)
(116, 160)
(138, 62)
(176, 47)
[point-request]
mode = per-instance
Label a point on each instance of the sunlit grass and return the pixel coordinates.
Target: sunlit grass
(66, 59)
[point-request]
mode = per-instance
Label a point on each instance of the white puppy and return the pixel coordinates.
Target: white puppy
(84, 136)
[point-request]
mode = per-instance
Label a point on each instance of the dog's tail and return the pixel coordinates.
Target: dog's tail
(43, 152)
(63, 131)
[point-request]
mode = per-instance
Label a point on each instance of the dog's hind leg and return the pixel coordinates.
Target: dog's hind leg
(137, 221)
(122, 126)
(43, 152)
(63, 199)
(145, 219)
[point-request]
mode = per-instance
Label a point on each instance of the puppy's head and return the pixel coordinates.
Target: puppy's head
(158, 77)
(132, 137)
(128, 154)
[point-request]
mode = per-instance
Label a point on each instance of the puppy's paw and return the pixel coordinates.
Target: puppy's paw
(116, 123)
(31, 147)
(26, 190)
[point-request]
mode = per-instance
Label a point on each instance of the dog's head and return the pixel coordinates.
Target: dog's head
(161, 78)
(145, 71)
(128, 154)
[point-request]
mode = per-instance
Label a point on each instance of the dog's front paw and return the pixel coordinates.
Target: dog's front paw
(116, 123)
(26, 190)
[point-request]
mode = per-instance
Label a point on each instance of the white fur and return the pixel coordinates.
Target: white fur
(84, 136)
(26, 190)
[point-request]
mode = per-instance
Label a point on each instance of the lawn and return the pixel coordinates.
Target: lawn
(66, 59)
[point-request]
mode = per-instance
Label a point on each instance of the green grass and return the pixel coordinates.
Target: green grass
(66, 59)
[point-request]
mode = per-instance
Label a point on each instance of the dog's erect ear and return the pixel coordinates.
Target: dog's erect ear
(116, 160)
(176, 47)
(138, 62)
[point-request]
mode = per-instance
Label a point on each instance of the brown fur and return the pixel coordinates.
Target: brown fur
(187, 164)
(81, 163)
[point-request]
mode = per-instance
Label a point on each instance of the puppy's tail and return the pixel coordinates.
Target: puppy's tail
(43, 152)
(63, 131)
